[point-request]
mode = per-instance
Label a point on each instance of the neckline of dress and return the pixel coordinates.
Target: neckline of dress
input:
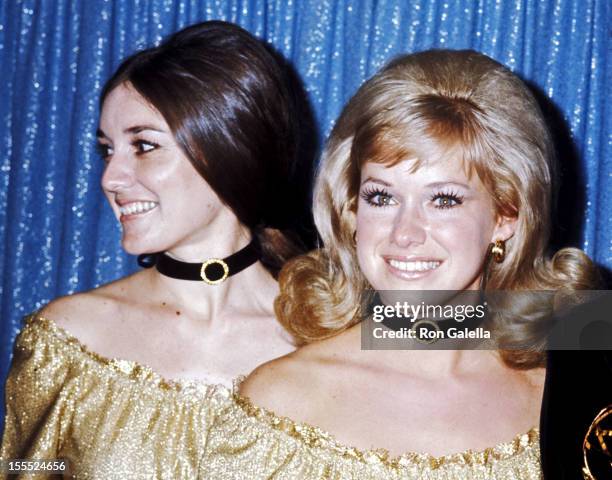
(130, 369)
(313, 436)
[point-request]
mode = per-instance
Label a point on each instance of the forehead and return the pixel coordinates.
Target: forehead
(125, 106)
(448, 169)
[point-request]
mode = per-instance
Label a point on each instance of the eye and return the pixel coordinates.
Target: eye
(378, 197)
(144, 146)
(444, 200)
(104, 150)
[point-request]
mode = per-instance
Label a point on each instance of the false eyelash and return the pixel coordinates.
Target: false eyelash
(102, 149)
(458, 199)
(138, 142)
(370, 192)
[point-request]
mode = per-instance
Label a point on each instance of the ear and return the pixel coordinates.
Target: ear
(505, 228)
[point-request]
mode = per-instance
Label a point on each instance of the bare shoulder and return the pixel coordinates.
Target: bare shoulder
(65, 310)
(80, 313)
(269, 384)
(536, 377)
(286, 385)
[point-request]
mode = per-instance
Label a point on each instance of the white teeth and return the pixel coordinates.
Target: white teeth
(414, 266)
(137, 207)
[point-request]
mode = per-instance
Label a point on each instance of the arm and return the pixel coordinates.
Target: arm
(34, 402)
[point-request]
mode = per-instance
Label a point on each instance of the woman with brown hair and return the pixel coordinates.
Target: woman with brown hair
(199, 140)
(437, 176)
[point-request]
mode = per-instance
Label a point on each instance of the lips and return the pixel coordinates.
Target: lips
(136, 207)
(412, 268)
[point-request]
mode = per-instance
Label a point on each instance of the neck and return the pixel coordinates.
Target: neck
(424, 363)
(437, 363)
(214, 246)
(214, 304)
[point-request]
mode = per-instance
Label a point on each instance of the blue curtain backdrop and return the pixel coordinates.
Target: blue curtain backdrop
(58, 236)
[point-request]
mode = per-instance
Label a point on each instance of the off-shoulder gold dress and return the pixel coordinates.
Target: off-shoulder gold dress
(247, 442)
(111, 419)
(115, 419)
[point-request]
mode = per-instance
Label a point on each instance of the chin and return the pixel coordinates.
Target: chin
(138, 248)
(395, 283)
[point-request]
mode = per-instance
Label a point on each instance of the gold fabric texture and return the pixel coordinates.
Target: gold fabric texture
(111, 419)
(247, 442)
(116, 419)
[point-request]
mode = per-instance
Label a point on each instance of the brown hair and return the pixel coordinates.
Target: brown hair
(422, 106)
(226, 100)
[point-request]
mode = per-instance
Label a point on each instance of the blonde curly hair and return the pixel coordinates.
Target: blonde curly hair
(420, 106)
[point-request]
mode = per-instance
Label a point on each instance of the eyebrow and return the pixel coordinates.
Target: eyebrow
(429, 185)
(132, 130)
(450, 182)
(376, 180)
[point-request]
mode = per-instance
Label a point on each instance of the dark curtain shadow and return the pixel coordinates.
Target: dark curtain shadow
(569, 196)
(569, 192)
(606, 276)
(300, 185)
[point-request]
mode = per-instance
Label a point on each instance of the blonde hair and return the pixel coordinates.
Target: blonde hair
(424, 106)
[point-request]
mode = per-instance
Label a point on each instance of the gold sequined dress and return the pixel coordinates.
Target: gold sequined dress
(247, 442)
(111, 419)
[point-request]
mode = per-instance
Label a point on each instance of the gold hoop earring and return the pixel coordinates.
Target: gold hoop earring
(498, 250)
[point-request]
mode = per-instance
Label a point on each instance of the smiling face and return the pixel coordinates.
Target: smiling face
(162, 202)
(426, 229)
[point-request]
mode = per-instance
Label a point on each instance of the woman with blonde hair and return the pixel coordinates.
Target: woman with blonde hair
(437, 176)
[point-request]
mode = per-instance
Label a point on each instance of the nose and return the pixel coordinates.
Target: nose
(118, 174)
(409, 226)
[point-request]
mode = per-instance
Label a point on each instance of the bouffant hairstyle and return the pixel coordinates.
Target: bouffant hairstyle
(423, 106)
(227, 101)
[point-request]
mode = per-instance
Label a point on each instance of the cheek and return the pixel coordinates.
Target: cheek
(372, 222)
(373, 228)
(153, 173)
(468, 234)
(199, 192)
(183, 187)
(110, 198)
(365, 258)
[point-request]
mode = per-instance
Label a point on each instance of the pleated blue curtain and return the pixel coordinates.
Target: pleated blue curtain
(58, 236)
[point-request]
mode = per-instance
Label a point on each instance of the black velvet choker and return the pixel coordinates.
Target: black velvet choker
(212, 271)
(397, 324)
